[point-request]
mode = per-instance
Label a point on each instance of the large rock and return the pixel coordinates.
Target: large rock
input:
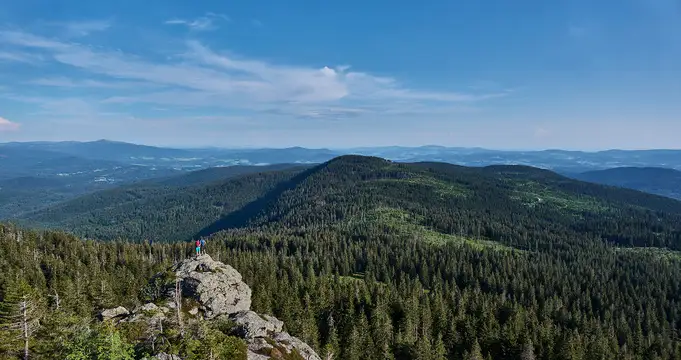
(250, 325)
(164, 356)
(265, 337)
(218, 288)
(149, 313)
(212, 291)
(114, 313)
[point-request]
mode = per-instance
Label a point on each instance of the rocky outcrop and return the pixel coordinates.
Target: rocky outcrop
(149, 313)
(266, 339)
(217, 287)
(118, 312)
(164, 356)
(216, 292)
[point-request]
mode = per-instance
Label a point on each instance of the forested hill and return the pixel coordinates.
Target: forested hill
(366, 259)
(519, 206)
(666, 182)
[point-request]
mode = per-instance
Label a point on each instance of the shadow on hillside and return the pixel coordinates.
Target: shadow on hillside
(242, 217)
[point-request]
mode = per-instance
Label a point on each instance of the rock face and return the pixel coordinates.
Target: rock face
(114, 313)
(219, 293)
(216, 286)
(266, 339)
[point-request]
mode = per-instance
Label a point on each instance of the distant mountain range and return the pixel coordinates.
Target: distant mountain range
(36, 174)
(660, 181)
(22, 155)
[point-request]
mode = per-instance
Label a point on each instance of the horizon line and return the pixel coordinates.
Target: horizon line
(175, 147)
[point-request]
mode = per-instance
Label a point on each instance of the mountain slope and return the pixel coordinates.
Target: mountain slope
(519, 206)
(660, 181)
(156, 210)
(218, 173)
(363, 258)
(102, 150)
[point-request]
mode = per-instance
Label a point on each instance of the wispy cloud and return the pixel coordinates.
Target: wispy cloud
(84, 28)
(6, 125)
(65, 107)
(28, 40)
(65, 82)
(202, 23)
(20, 57)
(202, 77)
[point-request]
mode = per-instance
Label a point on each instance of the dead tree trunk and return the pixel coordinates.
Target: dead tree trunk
(178, 305)
(24, 322)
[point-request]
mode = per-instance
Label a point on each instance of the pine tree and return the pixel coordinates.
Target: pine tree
(439, 352)
(475, 353)
(332, 347)
(20, 314)
(422, 348)
(528, 351)
(111, 346)
(381, 331)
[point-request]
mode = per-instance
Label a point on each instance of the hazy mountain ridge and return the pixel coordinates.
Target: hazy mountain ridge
(83, 167)
(560, 160)
(665, 182)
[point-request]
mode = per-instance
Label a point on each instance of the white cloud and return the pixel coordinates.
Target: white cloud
(85, 83)
(84, 28)
(202, 23)
(6, 125)
(205, 78)
(20, 57)
(28, 40)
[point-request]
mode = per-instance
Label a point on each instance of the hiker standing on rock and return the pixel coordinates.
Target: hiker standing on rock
(198, 247)
(203, 246)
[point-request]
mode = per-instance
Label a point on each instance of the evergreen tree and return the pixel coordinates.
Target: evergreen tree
(475, 352)
(439, 352)
(528, 351)
(20, 314)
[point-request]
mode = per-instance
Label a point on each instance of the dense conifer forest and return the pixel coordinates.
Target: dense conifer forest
(367, 259)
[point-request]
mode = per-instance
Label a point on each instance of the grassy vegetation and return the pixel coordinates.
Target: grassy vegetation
(440, 187)
(659, 253)
(401, 223)
(533, 194)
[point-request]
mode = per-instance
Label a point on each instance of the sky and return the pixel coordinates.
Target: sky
(526, 74)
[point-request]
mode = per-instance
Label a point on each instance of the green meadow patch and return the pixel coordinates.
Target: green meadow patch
(402, 223)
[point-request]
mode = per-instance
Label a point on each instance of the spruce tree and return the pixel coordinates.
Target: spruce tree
(20, 314)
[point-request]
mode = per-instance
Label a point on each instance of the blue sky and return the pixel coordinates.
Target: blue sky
(576, 74)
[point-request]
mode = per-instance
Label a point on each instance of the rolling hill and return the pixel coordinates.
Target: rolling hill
(660, 181)
(515, 205)
(365, 258)
(173, 207)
